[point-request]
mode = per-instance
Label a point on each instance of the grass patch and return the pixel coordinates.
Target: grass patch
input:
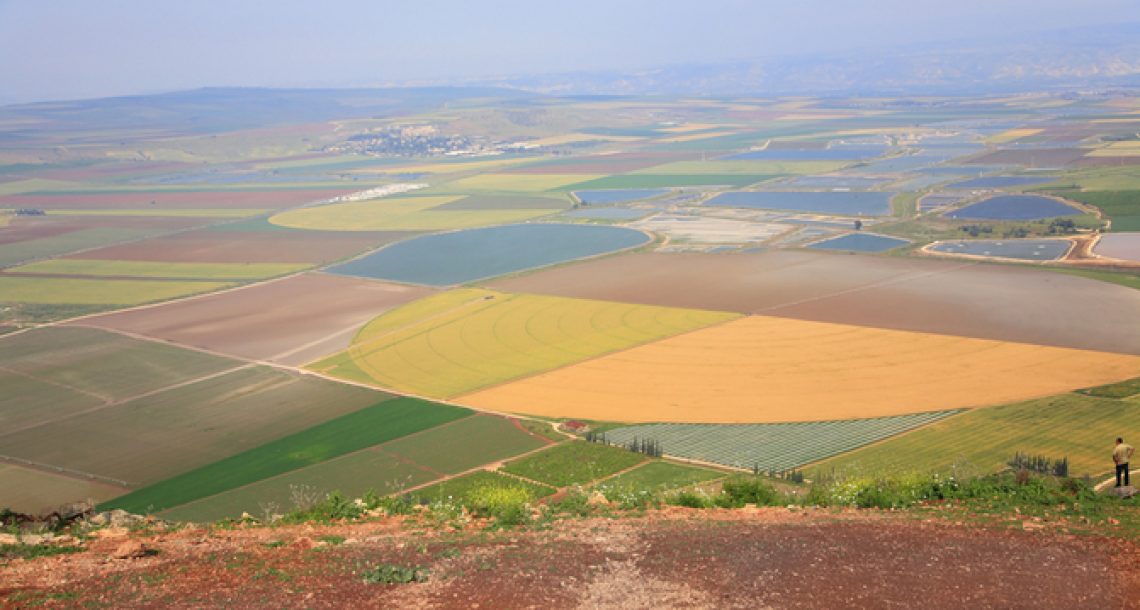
(1123, 207)
(32, 551)
(462, 490)
(659, 475)
(574, 463)
(1124, 389)
(358, 430)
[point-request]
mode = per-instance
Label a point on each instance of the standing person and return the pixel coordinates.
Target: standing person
(1120, 455)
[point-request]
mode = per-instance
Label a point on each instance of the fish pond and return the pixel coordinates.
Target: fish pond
(860, 242)
(1015, 249)
(446, 259)
(1015, 207)
(828, 202)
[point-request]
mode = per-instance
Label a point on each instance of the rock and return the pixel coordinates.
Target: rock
(131, 549)
(1123, 492)
(9, 539)
(597, 498)
(37, 538)
(1030, 526)
(303, 543)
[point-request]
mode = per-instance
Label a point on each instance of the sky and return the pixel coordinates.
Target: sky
(69, 49)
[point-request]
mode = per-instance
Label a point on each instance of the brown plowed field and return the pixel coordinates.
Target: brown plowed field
(966, 299)
(762, 369)
(746, 559)
(248, 247)
(275, 199)
(292, 321)
(1040, 157)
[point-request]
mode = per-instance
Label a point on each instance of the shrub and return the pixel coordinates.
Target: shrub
(390, 574)
(753, 490)
(508, 505)
(692, 499)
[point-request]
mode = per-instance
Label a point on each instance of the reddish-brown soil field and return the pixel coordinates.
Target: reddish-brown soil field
(1041, 157)
(954, 298)
(293, 321)
(600, 164)
(275, 199)
(285, 246)
(764, 558)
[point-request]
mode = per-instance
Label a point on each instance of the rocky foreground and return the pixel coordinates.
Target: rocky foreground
(750, 558)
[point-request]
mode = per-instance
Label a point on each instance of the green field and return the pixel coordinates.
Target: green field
(514, 183)
(191, 424)
(400, 214)
(1123, 389)
(147, 269)
(659, 475)
(1079, 427)
(574, 463)
(646, 181)
(1123, 207)
(369, 426)
(83, 239)
(759, 167)
(456, 490)
(462, 340)
(1103, 178)
(68, 291)
(388, 468)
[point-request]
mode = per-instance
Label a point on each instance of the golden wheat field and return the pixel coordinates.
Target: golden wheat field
(767, 369)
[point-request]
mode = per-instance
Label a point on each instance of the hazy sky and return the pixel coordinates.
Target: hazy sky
(59, 49)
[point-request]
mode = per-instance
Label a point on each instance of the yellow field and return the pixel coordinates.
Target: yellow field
(765, 369)
(462, 340)
(1010, 135)
(522, 183)
(1118, 149)
(66, 291)
(398, 214)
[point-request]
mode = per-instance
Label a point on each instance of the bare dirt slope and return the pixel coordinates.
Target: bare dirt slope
(758, 558)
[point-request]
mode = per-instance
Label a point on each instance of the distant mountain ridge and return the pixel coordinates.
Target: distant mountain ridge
(1107, 56)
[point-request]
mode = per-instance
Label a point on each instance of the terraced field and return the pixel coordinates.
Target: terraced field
(386, 468)
(1079, 427)
(400, 214)
(770, 446)
(764, 370)
(462, 340)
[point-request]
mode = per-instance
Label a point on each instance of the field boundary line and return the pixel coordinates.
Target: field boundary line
(122, 401)
(488, 467)
(100, 397)
(960, 412)
(643, 463)
(67, 472)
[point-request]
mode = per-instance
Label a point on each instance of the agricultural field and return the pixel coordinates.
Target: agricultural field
(1123, 246)
(951, 298)
(661, 181)
(459, 341)
(292, 321)
(17, 251)
(34, 491)
(465, 256)
(767, 447)
(1122, 207)
(401, 214)
(704, 229)
(762, 369)
(574, 463)
(610, 196)
(171, 198)
(1072, 425)
(149, 269)
(847, 203)
(658, 475)
(999, 182)
(516, 183)
(78, 291)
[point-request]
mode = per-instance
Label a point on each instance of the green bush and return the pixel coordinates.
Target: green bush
(389, 574)
(508, 505)
(751, 490)
(692, 499)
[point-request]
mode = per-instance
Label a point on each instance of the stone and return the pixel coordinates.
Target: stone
(131, 549)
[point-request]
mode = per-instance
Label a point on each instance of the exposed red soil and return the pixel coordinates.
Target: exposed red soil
(763, 558)
(313, 313)
(955, 298)
(248, 247)
(601, 164)
(167, 199)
